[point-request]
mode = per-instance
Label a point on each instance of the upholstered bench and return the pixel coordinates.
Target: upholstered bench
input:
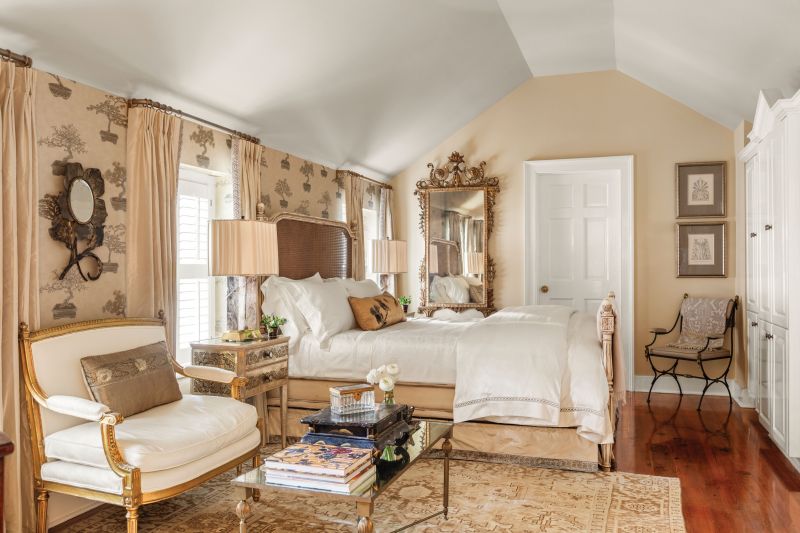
(82, 448)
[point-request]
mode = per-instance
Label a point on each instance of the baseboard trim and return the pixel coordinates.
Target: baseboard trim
(693, 386)
(64, 520)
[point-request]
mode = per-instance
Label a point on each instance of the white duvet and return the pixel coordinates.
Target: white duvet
(533, 365)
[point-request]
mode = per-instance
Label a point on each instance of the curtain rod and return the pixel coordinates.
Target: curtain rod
(144, 102)
(20, 60)
(377, 182)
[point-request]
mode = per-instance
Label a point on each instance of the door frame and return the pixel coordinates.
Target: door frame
(622, 164)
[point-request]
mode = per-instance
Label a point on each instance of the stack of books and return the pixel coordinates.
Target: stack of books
(337, 469)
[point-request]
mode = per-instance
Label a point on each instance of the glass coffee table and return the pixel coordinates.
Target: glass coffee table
(421, 440)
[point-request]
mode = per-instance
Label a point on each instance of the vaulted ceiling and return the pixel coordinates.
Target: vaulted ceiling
(371, 84)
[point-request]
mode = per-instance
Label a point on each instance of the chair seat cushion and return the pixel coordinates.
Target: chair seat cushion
(674, 352)
(160, 438)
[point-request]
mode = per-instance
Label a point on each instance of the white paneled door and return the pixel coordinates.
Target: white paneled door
(578, 226)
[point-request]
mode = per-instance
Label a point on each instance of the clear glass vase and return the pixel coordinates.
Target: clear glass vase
(388, 397)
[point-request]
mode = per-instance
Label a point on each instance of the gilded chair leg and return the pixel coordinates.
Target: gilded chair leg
(42, 496)
(133, 519)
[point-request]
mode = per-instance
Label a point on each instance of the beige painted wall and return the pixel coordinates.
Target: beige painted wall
(586, 115)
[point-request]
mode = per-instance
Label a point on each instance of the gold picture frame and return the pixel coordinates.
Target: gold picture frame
(700, 189)
(700, 249)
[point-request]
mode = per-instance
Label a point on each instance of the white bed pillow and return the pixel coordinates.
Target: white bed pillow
(358, 289)
(449, 289)
(326, 310)
(280, 298)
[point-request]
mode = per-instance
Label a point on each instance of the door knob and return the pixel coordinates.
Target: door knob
(544, 289)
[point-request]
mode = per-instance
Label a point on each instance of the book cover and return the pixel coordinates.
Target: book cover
(319, 459)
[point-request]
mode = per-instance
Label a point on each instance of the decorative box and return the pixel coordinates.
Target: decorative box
(349, 399)
(366, 425)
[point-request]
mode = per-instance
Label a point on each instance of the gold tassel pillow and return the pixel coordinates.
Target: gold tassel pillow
(376, 312)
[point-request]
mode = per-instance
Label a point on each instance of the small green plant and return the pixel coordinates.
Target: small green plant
(273, 321)
(404, 300)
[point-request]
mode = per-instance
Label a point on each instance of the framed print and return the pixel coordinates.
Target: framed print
(700, 249)
(700, 189)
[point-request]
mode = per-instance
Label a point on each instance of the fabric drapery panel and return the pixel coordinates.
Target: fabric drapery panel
(455, 230)
(475, 236)
(154, 139)
(386, 227)
(20, 288)
(356, 188)
(247, 173)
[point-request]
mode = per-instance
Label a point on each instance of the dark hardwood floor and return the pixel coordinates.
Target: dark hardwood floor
(733, 478)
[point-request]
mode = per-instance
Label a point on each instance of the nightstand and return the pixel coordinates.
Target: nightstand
(265, 364)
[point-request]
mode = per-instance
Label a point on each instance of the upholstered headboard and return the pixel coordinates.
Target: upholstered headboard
(307, 245)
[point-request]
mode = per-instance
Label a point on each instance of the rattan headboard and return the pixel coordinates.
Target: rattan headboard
(307, 245)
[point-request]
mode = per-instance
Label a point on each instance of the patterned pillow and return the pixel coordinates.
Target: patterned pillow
(376, 312)
(132, 381)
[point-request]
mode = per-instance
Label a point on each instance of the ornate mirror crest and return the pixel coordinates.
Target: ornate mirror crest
(456, 220)
(77, 215)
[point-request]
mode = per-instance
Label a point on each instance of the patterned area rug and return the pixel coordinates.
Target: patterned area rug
(483, 497)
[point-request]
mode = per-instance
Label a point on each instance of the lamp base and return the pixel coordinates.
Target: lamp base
(239, 335)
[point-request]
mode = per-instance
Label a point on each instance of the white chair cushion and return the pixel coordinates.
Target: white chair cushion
(160, 438)
(104, 480)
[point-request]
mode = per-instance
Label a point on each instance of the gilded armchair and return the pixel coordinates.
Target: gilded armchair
(82, 449)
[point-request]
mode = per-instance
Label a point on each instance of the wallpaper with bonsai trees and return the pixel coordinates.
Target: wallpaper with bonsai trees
(76, 123)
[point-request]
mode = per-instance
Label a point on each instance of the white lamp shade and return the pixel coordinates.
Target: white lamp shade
(243, 248)
(433, 259)
(389, 257)
(475, 262)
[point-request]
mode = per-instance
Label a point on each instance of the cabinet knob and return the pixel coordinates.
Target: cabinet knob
(767, 227)
(768, 336)
(753, 234)
(754, 324)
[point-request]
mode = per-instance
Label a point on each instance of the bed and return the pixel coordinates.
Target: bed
(444, 374)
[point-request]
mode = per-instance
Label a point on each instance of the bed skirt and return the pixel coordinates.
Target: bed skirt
(550, 447)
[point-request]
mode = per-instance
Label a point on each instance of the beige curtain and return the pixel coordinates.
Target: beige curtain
(154, 139)
(247, 174)
(20, 287)
(386, 229)
(356, 187)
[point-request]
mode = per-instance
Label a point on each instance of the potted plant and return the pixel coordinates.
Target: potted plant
(273, 325)
(405, 301)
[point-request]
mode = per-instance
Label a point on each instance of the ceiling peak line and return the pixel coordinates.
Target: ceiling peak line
(145, 102)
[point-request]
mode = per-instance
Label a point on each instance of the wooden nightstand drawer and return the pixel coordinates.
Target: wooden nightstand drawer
(264, 356)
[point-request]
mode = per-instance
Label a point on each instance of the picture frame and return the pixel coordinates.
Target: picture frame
(700, 189)
(700, 249)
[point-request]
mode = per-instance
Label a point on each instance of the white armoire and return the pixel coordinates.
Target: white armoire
(772, 306)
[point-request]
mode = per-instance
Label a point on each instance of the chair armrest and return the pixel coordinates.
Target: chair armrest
(82, 408)
(209, 373)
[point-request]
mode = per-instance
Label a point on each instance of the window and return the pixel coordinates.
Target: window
(197, 291)
(370, 233)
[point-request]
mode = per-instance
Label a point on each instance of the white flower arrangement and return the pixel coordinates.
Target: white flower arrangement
(385, 376)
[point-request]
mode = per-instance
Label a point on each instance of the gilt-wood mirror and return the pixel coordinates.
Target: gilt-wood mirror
(457, 203)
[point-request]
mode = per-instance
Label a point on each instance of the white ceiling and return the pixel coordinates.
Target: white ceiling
(372, 84)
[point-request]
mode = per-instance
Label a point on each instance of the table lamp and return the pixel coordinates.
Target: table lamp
(243, 248)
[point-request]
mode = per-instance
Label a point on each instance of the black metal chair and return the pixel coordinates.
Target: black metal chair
(703, 324)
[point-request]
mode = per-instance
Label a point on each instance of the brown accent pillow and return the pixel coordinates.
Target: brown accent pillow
(132, 381)
(376, 312)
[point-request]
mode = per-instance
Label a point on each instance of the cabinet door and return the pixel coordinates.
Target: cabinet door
(775, 228)
(764, 238)
(752, 356)
(763, 400)
(753, 226)
(778, 353)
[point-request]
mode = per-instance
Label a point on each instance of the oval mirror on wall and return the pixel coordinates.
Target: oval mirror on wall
(81, 201)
